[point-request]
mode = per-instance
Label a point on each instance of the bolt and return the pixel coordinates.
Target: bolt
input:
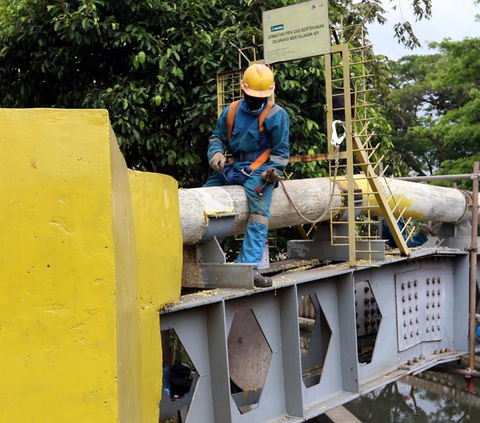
(415, 359)
(411, 321)
(405, 336)
(438, 304)
(409, 363)
(404, 324)
(422, 357)
(416, 295)
(428, 317)
(404, 312)
(433, 304)
(428, 281)
(366, 301)
(439, 292)
(439, 280)
(418, 332)
(403, 298)
(433, 328)
(438, 327)
(367, 312)
(427, 330)
(403, 285)
(416, 320)
(409, 297)
(434, 280)
(366, 289)
(411, 334)
(373, 300)
(428, 305)
(415, 283)
(410, 309)
(428, 293)
(435, 352)
(409, 284)
(416, 308)
(438, 315)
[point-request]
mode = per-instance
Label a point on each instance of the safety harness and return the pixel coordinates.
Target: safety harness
(265, 155)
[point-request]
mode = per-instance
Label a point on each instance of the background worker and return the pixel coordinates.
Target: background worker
(256, 133)
(420, 238)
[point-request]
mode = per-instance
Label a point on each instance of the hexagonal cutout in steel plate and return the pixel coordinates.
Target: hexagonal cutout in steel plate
(315, 334)
(179, 378)
(369, 317)
(249, 356)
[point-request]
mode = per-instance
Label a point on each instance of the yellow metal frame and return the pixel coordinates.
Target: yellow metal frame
(355, 153)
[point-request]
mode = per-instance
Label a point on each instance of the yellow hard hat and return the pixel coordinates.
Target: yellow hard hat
(258, 81)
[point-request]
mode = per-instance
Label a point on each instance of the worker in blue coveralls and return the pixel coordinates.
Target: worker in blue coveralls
(416, 240)
(256, 132)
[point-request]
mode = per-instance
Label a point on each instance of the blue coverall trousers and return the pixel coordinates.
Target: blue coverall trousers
(257, 228)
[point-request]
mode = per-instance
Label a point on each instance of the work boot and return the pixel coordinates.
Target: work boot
(261, 281)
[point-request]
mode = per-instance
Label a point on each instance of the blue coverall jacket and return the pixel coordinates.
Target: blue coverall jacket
(246, 143)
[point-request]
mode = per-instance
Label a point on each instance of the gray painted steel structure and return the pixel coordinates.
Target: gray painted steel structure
(203, 320)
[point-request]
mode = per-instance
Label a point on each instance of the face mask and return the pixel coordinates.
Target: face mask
(254, 103)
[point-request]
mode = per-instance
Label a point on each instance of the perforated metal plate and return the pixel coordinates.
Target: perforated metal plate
(420, 299)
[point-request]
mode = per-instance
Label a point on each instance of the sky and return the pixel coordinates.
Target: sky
(453, 19)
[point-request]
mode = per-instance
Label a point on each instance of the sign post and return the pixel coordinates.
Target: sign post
(296, 32)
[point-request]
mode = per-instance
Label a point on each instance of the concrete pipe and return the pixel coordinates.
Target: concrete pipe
(198, 206)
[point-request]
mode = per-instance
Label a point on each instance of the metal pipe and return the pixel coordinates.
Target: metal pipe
(436, 178)
(465, 373)
(473, 268)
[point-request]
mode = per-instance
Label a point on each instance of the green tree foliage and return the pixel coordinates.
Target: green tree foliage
(153, 65)
(434, 108)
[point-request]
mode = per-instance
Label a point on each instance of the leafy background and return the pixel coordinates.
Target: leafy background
(153, 64)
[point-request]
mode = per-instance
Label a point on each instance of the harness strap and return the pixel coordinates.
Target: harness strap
(264, 114)
(263, 158)
(231, 113)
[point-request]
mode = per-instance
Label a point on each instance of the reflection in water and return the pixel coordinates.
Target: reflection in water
(430, 398)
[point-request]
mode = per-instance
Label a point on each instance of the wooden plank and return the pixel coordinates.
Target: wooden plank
(341, 415)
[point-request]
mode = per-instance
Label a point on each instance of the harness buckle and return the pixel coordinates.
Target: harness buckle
(247, 171)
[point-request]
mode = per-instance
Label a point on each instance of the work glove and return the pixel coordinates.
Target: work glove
(270, 175)
(217, 162)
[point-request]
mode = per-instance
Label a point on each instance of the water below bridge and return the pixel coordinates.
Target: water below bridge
(431, 397)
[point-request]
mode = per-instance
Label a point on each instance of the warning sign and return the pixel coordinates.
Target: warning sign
(296, 32)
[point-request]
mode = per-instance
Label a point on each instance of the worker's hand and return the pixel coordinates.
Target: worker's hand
(271, 175)
(218, 162)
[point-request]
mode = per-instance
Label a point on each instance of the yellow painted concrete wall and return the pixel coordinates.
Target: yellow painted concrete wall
(159, 253)
(77, 333)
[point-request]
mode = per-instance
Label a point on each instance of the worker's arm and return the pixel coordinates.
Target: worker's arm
(278, 125)
(218, 140)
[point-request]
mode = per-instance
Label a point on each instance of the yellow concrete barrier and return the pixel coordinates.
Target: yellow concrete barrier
(81, 277)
